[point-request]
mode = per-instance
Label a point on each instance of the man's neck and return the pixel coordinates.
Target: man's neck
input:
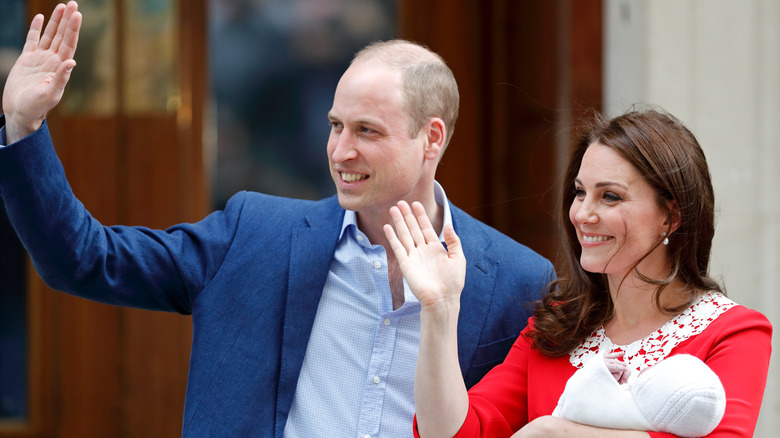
(372, 223)
(373, 227)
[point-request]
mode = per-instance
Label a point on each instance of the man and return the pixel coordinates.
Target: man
(303, 325)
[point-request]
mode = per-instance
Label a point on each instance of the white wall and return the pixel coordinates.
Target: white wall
(715, 64)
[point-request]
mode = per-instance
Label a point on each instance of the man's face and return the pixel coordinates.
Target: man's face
(373, 161)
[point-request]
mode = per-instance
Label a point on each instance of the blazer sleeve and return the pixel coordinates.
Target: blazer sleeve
(73, 252)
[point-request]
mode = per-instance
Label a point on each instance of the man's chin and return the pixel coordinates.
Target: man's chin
(349, 202)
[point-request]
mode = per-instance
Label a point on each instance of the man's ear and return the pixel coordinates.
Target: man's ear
(436, 133)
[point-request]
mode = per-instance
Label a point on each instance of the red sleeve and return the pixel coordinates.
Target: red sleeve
(498, 404)
(736, 346)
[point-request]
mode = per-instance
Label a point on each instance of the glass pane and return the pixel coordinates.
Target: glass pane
(92, 87)
(274, 67)
(150, 56)
(13, 324)
(13, 299)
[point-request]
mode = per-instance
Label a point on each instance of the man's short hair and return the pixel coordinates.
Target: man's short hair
(428, 85)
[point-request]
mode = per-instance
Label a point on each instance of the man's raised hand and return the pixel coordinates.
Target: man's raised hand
(37, 80)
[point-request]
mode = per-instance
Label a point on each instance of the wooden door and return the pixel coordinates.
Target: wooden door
(129, 134)
(527, 71)
(134, 155)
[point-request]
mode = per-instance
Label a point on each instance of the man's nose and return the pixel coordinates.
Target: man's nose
(343, 147)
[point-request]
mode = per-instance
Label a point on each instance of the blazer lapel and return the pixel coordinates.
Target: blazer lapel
(481, 271)
(311, 251)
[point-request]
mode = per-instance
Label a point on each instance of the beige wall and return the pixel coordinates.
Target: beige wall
(715, 64)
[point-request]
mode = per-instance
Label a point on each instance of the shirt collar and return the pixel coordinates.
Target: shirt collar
(350, 217)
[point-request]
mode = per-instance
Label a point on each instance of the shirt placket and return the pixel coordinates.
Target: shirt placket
(375, 386)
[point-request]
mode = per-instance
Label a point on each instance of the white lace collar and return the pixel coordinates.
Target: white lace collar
(648, 351)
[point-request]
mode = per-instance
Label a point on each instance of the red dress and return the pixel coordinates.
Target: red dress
(734, 341)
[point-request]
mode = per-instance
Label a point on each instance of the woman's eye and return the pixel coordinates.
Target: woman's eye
(578, 192)
(611, 197)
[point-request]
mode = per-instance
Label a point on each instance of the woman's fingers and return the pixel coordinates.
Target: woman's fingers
(413, 228)
(401, 228)
(426, 227)
(395, 244)
(452, 241)
(411, 223)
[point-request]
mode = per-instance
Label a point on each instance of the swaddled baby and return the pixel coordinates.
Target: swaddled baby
(680, 395)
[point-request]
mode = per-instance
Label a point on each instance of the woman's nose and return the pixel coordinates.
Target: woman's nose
(586, 213)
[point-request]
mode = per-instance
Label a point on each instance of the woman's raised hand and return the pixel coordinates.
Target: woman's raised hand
(435, 274)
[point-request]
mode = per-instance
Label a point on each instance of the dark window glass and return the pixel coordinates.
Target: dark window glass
(13, 297)
(274, 67)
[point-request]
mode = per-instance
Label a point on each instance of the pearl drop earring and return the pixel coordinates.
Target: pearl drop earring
(666, 239)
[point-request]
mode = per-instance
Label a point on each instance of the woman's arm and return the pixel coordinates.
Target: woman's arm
(554, 427)
(739, 340)
(436, 276)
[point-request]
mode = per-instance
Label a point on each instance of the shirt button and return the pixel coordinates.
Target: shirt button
(377, 264)
(377, 379)
(366, 436)
(387, 321)
(359, 238)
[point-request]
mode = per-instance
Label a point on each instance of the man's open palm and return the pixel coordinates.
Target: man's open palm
(37, 80)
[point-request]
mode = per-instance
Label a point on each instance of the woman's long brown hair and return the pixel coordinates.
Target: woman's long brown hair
(669, 158)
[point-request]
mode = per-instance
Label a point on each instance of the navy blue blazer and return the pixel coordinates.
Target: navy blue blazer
(251, 276)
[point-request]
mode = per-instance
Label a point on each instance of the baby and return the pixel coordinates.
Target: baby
(680, 395)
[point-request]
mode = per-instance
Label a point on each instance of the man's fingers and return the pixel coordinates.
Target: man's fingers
(62, 26)
(62, 75)
(71, 37)
(34, 34)
(51, 27)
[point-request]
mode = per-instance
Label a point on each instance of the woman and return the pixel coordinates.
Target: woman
(639, 208)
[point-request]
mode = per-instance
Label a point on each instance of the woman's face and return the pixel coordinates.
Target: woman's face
(616, 216)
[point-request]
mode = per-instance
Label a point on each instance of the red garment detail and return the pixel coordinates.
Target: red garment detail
(528, 384)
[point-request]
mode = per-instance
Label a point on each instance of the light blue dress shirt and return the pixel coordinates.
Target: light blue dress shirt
(357, 378)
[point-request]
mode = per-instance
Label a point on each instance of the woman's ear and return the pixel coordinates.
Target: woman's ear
(436, 133)
(673, 216)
